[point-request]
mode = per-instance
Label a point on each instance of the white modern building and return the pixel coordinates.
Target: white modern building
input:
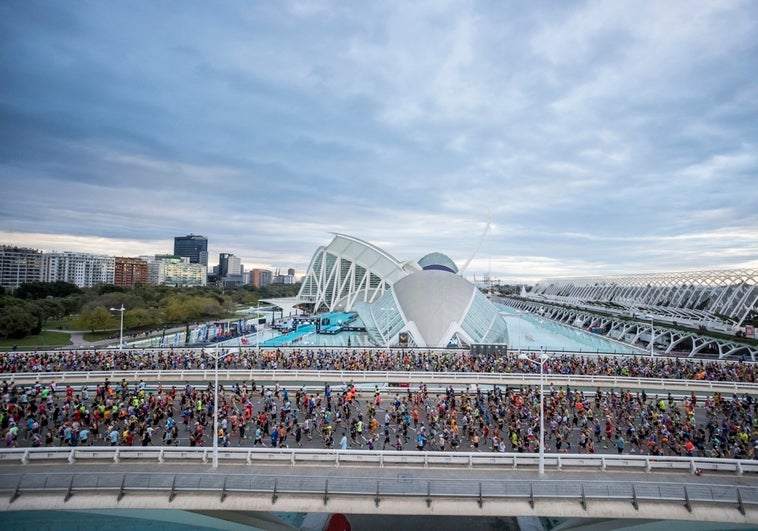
(423, 303)
(83, 269)
(175, 271)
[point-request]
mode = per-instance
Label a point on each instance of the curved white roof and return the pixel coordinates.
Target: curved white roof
(436, 302)
(434, 306)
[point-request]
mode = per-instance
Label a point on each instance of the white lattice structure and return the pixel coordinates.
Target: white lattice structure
(422, 303)
(348, 271)
(727, 296)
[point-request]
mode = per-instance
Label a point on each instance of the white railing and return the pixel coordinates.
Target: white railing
(385, 379)
(321, 457)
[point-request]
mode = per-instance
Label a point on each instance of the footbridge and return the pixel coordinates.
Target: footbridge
(362, 482)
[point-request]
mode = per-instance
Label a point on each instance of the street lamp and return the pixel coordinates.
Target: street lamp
(121, 328)
(215, 411)
(542, 408)
(257, 327)
(652, 336)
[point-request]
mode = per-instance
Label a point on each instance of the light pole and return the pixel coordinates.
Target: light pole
(215, 411)
(652, 336)
(121, 328)
(542, 408)
(257, 327)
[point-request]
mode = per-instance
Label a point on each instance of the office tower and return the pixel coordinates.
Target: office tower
(192, 246)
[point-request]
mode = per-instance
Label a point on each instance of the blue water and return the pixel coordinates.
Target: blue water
(527, 331)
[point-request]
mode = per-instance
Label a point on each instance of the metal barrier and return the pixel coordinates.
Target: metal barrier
(378, 489)
(320, 457)
(386, 379)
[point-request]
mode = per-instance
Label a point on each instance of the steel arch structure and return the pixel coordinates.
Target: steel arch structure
(725, 299)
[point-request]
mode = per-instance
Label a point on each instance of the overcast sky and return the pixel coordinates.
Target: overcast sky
(601, 137)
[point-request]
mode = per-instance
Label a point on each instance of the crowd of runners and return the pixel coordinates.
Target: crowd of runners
(499, 419)
(374, 360)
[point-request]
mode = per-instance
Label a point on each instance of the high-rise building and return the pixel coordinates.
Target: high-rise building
(130, 271)
(260, 277)
(19, 265)
(229, 270)
(192, 246)
(83, 269)
(228, 264)
(291, 272)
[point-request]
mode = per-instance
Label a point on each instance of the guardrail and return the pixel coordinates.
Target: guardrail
(379, 489)
(386, 379)
(322, 457)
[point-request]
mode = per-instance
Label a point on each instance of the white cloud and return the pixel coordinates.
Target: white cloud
(602, 136)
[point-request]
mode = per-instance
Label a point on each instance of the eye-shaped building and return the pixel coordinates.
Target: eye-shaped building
(423, 303)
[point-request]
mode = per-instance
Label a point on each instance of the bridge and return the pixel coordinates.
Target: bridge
(359, 481)
(313, 480)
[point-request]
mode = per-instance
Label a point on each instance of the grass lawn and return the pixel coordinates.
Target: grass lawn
(45, 339)
(99, 336)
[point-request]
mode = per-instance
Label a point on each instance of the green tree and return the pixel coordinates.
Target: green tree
(16, 318)
(96, 319)
(41, 290)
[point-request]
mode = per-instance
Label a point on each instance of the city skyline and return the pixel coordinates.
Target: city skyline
(598, 138)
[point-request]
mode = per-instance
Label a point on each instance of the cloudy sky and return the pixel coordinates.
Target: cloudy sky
(598, 137)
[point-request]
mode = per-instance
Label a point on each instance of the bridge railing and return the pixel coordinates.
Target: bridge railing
(314, 457)
(379, 489)
(385, 379)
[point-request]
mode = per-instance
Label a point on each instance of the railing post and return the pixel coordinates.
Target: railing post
(635, 503)
(17, 493)
(160, 456)
(122, 489)
(71, 456)
(25, 458)
(116, 458)
(687, 500)
(584, 499)
(70, 491)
